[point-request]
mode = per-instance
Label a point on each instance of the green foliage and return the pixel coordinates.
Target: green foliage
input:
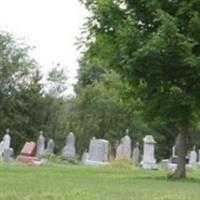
(57, 81)
(25, 106)
(153, 49)
(102, 108)
(101, 111)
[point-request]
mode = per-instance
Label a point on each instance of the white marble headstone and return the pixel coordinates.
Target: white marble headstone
(40, 145)
(69, 149)
(199, 155)
(119, 154)
(84, 157)
(1, 148)
(8, 155)
(126, 147)
(123, 150)
(193, 158)
(50, 146)
(7, 139)
(149, 161)
(136, 154)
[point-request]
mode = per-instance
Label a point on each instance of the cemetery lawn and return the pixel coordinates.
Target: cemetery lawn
(63, 182)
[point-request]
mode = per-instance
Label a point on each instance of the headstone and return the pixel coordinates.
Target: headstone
(136, 154)
(69, 150)
(165, 164)
(84, 157)
(174, 158)
(7, 139)
(28, 152)
(1, 149)
(199, 156)
(193, 158)
(50, 146)
(149, 161)
(174, 151)
(98, 152)
(119, 154)
(29, 149)
(8, 155)
(126, 147)
(123, 150)
(40, 145)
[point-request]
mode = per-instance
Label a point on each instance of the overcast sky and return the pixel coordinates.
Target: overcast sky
(50, 25)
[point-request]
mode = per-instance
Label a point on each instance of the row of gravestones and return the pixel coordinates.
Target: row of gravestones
(98, 153)
(32, 152)
(98, 150)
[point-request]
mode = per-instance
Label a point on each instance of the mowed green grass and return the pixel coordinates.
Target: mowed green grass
(62, 182)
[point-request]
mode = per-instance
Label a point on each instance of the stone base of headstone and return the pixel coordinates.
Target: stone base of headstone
(26, 159)
(95, 163)
(168, 165)
(165, 164)
(69, 152)
(149, 165)
(173, 166)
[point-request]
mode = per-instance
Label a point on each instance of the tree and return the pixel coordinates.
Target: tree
(102, 112)
(25, 106)
(99, 108)
(16, 74)
(56, 81)
(154, 45)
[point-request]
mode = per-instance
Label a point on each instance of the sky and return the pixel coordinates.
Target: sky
(51, 26)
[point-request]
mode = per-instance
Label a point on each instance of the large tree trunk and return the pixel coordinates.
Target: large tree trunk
(182, 151)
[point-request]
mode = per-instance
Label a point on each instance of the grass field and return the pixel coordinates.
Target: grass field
(61, 182)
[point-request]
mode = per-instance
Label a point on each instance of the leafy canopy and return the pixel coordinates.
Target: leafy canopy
(155, 46)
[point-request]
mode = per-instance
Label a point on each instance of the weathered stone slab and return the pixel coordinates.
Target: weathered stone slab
(123, 150)
(7, 139)
(69, 150)
(193, 158)
(40, 145)
(28, 152)
(136, 155)
(50, 146)
(98, 152)
(29, 149)
(8, 155)
(149, 161)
